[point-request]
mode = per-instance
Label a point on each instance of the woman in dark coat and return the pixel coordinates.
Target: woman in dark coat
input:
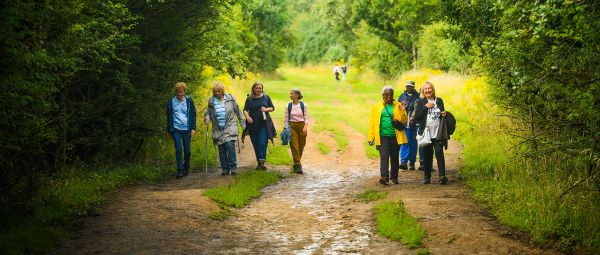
(428, 110)
(259, 124)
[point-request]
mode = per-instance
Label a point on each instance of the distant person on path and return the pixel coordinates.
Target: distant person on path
(336, 71)
(344, 70)
(408, 151)
(428, 110)
(222, 111)
(259, 122)
(181, 125)
(384, 136)
(296, 118)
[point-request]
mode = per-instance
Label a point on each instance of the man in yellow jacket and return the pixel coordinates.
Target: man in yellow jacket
(385, 136)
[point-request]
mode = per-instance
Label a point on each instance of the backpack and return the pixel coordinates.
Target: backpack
(289, 108)
(450, 122)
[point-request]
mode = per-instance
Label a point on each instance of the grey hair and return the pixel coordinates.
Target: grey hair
(297, 92)
(388, 87)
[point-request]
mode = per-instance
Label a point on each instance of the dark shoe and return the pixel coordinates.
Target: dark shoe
(421, 166)
(298, 169)
(403, 166)
(383, 180)
(261, 164)
(427, 180)
(395, 181)
(443, 180)
(411, 166)
(179, 175)
(223, 174)
(258, 166)
(233, 173)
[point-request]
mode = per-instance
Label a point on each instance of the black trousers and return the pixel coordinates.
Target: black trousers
(389, 155)
(439, 157)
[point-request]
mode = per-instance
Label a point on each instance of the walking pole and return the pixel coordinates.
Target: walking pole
(206, 157)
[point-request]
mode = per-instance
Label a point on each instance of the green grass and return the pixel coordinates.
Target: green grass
(423, 252)
(395, 223)
(371, 195)
(245, 187)
(67, 197)
(221, 214)
(279, 154)
(523, 192)
(323, 148)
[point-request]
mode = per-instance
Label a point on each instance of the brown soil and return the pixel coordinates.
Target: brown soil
(314, 213)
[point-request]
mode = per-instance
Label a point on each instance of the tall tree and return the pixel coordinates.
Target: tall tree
(398, 22)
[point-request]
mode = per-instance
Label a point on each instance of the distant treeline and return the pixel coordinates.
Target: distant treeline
(83, 81)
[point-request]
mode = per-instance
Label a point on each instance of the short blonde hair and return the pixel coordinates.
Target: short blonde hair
(180, 85)
(218, 85)
(421, 89)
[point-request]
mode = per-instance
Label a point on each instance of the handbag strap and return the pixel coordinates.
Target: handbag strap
(388, 112)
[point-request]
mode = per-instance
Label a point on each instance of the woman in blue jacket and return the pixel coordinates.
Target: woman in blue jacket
(181, 125)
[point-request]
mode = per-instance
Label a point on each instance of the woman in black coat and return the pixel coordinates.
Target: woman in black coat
(428, 110)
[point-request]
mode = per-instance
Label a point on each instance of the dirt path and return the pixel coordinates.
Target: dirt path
(314, 213)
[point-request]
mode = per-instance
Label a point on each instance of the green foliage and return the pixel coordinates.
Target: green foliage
(245, 187)
(64, 199)
(541, 61)
(377, 54)
(269, 19)
(323, 148)
(397, 22)
(438, 51)
(395, 223)
(371, 195)
(279, 155)
(222, 214)
(536, 195)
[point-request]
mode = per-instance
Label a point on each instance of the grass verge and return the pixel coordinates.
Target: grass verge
(245, 187)
(323, 148)
(56, 206)
(371, 195)
(395, 223)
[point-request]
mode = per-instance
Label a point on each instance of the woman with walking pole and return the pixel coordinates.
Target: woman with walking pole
(222, 111)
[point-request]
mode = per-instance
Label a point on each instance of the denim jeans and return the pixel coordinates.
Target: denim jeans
(259, 142)
(408, 151)
(227, 157)
(181, 138)
(388, 155)
(439, 157)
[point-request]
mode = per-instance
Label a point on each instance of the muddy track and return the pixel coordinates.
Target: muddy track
(314, 213)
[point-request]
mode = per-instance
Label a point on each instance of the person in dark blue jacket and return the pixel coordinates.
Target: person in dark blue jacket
(181, 125)
(408, 151)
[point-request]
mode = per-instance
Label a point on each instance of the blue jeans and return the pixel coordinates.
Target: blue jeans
(259, 142)
(227, 157)
(182, 138)
(408, 151)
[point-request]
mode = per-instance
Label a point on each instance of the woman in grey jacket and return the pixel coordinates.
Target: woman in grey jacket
(222, 111)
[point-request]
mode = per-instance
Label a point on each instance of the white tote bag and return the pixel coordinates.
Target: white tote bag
(424, 139)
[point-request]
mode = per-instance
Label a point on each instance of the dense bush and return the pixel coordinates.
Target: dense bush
(542, 64)
(84, 82)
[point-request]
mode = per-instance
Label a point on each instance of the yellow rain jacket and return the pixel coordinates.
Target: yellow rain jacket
(375, 120)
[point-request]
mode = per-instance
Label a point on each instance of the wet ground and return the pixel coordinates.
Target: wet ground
(314, 213)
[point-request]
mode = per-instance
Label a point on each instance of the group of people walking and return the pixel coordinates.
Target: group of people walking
(394, 128)
(395, 125)
(224, 113)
